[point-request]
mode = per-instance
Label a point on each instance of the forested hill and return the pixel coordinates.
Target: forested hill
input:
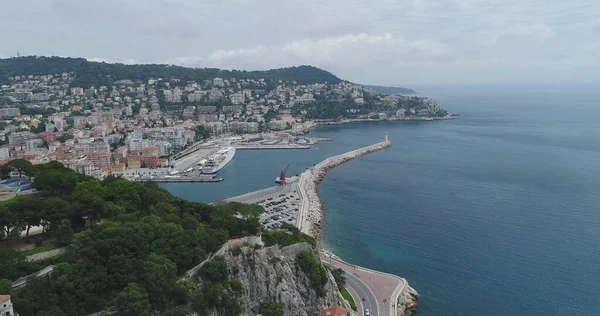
(90, 73)
(389, 90)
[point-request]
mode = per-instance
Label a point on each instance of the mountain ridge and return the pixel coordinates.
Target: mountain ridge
(90, 73)
(95, 73)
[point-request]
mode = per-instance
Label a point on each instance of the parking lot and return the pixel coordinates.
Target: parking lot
(279, 209)
(280, 203)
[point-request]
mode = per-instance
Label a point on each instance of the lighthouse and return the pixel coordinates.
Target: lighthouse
(386, 138)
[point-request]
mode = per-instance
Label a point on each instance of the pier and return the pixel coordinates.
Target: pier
(261, 147)
(195, 178)
(310, 217)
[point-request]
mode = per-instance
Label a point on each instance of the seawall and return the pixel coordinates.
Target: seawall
(310, 215)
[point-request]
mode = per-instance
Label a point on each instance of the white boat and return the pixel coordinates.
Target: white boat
(217, 161)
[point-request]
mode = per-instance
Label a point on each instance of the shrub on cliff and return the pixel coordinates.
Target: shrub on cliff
(270, 308)
(286, 238)
(311, 265)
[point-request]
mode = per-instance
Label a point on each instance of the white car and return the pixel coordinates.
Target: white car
(367, 312)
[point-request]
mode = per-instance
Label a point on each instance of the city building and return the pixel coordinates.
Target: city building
(98, 159)
(197, 96)
(207, 109)
(77, 91)
(6, 306)
(9, 112)
(237, 98)
(233, 108)
(79, 121)
(20, 138)
(218, 82)
(334, 311)
(32, 144)
(4, 153)
(88, 147)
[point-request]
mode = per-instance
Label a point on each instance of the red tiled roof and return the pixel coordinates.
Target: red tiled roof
(334, 311)
(4, 298)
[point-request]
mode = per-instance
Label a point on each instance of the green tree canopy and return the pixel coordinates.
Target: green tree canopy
(133, 301)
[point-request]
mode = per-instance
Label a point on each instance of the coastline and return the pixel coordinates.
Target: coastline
(402, 300)
(311, 211)
(409, 118)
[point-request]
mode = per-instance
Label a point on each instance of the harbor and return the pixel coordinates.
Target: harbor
(296, 201)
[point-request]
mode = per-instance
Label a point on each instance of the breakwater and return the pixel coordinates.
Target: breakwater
(310, 217)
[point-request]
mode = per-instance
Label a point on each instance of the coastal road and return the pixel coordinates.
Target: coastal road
(384, 287)
(363, 291)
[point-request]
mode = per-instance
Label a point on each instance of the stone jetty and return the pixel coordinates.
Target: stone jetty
(310, 217)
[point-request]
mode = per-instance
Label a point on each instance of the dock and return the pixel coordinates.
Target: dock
(198, 178)
(262, 147)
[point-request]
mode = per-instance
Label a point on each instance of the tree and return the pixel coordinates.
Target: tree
(5, 286)
(270, 308)
(64, 234)
(5, 171)
(10, 222)
(202, 132)
(124, 193)
(54, 210)
(29, 212)
(57, 182)
(133, 301)
(160, 275)
(269, 115)
(10, 262)
(340, 277)
(215, 270)
(89, 196)
(22, 166)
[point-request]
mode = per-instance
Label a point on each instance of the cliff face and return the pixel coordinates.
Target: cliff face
(271, 274)
(407, 302)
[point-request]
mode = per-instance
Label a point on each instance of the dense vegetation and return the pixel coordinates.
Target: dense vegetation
(133, 241)
(99, 73)
(286, 238)
(217, 290)
(308, 262)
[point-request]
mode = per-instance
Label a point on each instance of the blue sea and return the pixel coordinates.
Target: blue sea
(496, 212)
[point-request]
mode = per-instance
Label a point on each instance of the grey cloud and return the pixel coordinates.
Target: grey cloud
(376, 41)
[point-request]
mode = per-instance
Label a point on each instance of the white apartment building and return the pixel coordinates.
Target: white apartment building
(4, 153)
(218, 82)
(237, 98)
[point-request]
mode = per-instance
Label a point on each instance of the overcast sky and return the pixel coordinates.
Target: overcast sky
(391, 42)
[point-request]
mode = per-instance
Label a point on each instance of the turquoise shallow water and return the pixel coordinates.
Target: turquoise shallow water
(494, 213)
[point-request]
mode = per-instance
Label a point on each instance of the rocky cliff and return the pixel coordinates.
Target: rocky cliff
(271, 274)
(407, 302)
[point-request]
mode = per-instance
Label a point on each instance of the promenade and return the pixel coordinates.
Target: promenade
(310, 218)
(382, 291)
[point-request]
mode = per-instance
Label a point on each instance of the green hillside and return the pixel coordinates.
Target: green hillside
(90, 73)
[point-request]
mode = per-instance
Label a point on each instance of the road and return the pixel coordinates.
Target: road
(363, 291)
(383, 286)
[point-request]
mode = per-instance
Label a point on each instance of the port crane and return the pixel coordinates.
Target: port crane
(282, 176)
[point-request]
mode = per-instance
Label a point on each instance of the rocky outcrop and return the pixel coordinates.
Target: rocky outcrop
(407, 301)
(271, 274)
